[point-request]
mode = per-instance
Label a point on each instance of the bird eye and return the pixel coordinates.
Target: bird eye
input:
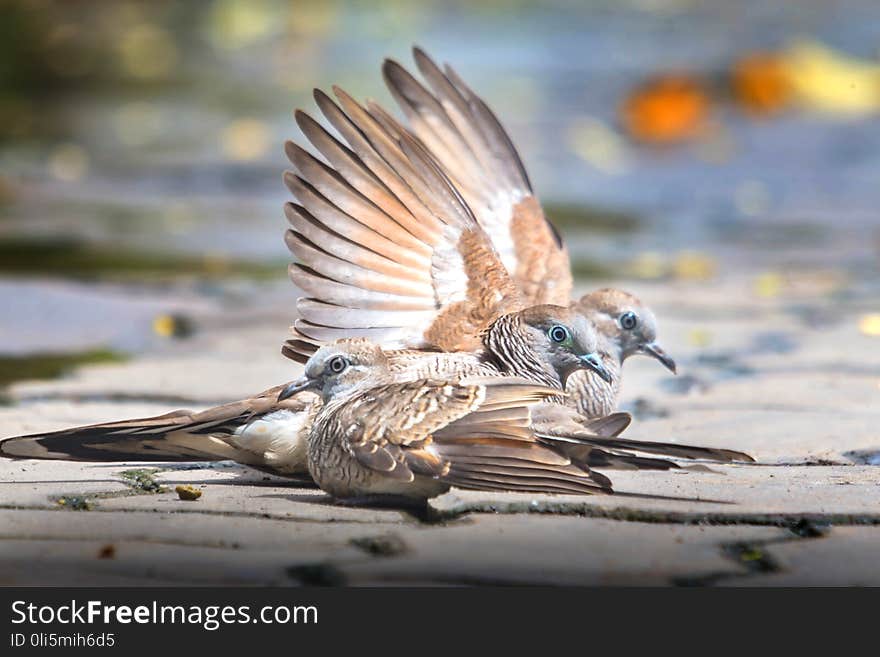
(559, 334)
(628, 320)
(337, 364)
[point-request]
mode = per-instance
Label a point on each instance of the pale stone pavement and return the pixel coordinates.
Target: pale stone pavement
(784, 375)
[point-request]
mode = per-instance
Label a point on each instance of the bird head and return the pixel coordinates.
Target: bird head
(564, 338)
(626, 322)
(338, 368)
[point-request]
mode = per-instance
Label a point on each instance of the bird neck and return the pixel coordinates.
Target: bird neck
(611, 347)
(607, 333)
(507, 346)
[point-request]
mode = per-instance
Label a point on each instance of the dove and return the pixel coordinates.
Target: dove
(597, 441)
(372, 435)
(270, 431)
(625, 327)
(390, 250)
(419, 239)
(476, 153)
(545, 344)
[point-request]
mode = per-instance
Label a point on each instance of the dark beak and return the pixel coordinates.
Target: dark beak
(302, 383)
(654, 350)
(594, 362)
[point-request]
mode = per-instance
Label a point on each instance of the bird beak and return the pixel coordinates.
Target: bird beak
(594, 362)
(653, 349)
(302, 383)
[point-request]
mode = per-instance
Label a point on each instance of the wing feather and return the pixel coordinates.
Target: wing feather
(474, 149)
(383, 229)
(471, 434)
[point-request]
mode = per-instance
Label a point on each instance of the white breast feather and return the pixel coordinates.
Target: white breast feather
(277, 437)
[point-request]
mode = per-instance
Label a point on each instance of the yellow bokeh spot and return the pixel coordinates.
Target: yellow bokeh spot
(245, 139)
(870, 325)
(768, 285)
(164, 326)
(700, 337)
(648, 265)
(693, 266)
(147, 51)
(69, 163)
(235, 24)
(830, 81)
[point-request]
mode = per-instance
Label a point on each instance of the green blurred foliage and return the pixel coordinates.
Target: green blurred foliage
(78, 260)
(51, 365)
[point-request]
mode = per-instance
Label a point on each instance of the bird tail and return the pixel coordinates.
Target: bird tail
(582, 450)
(602, 451)
(674, 450)
(166, 438)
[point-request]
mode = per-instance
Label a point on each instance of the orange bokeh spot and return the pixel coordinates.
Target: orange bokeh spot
(761, 83)
(666, 109)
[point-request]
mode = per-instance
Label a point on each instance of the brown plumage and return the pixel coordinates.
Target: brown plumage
(453, 199)
(462, 299)
(372, 435)
(471, 145)
(387, 247)
(625, 327)
(545, 344)
(390, 249)
(476, 279)
(597, 441)
(269, 431)
(256, 432)
(560, 424)
(466, 137)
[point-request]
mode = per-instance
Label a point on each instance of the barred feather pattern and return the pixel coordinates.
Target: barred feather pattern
(340, 423)
(505, 342)
(592, 396)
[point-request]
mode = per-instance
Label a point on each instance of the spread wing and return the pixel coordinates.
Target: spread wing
(463, 134)
(474, 434)
(387, 248)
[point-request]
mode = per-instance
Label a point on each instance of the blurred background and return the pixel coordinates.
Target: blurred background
(141, 148)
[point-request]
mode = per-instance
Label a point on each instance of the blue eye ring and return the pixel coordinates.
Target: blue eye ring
(559, 333)
(338, 364)
(628, 320)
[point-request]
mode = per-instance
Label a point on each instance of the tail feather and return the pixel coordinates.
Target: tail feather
(672, 450)
(216, 434)
(560, 425)
(150, 439)
(584, 453)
